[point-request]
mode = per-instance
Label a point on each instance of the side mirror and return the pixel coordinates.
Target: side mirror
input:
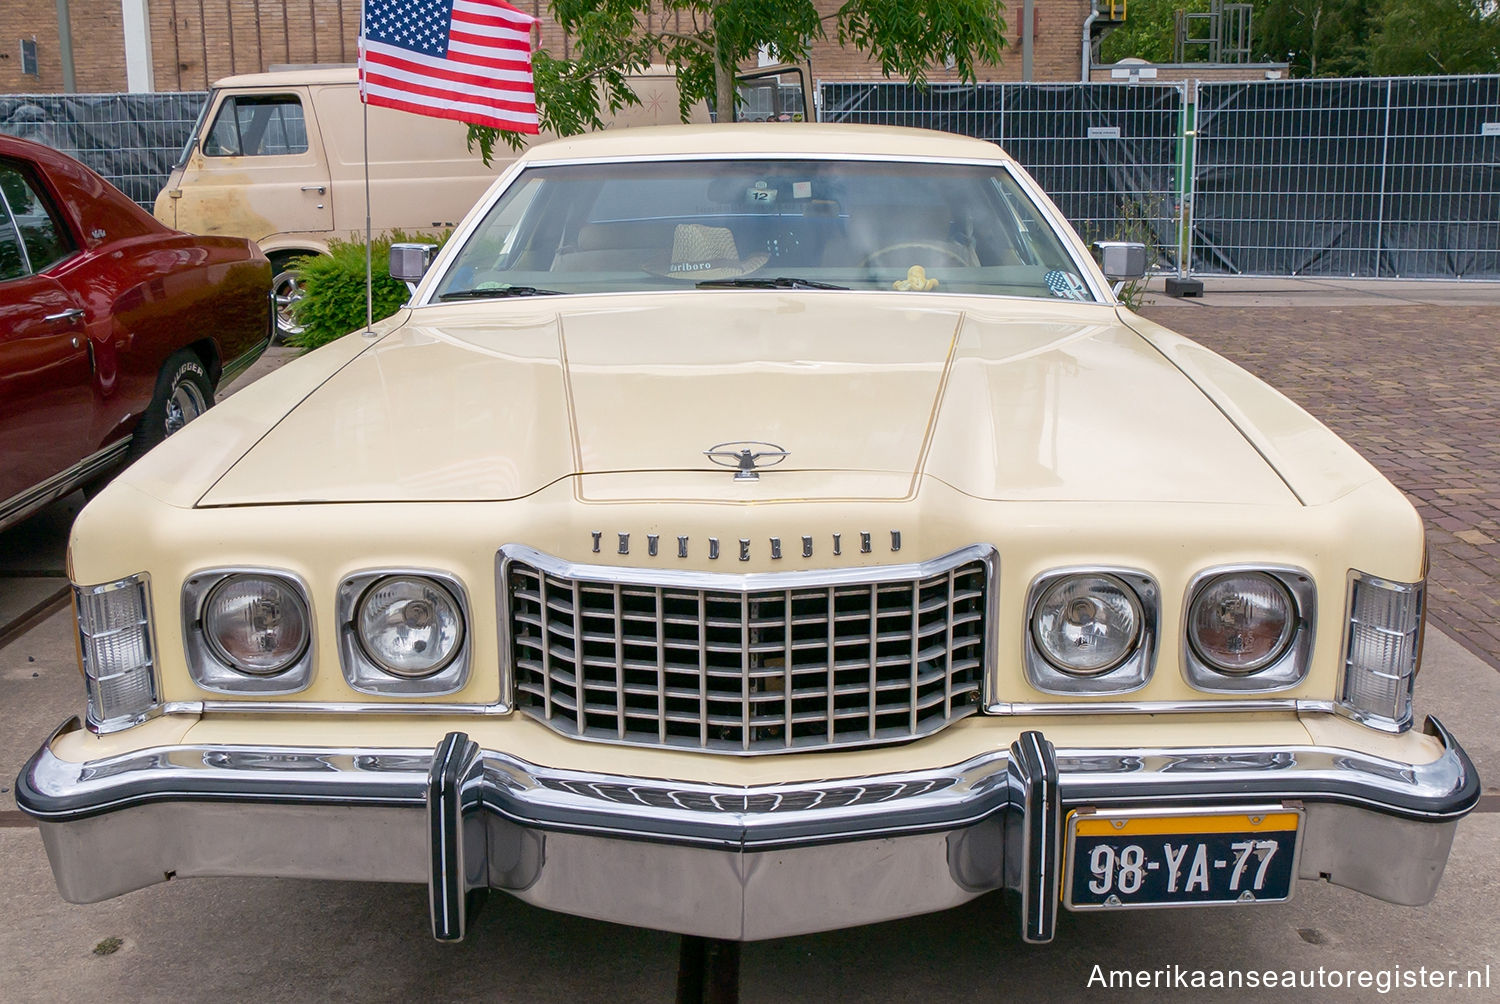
(1122, 261)
(409, 262)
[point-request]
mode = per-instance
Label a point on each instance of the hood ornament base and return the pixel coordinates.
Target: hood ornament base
(745, 458)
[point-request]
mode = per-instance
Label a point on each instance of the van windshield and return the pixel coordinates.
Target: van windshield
(590, 228)
(192, 139)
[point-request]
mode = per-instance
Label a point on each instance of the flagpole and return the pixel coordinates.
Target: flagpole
(369, 252)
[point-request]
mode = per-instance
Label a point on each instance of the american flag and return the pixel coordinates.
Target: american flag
(455, 59)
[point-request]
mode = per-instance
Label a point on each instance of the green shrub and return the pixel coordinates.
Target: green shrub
(333, 288)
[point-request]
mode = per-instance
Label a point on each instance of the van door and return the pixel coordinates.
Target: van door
(423, 177)
(258, 169)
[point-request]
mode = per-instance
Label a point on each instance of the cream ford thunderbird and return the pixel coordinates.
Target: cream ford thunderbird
(749, 531)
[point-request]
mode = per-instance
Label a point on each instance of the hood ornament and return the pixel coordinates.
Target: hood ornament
(746, 458)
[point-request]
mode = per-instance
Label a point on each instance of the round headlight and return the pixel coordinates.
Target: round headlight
(257, 624)
(409, 626)
(1241, 622)
(1087, 624)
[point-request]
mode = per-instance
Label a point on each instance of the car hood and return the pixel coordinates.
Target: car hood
(866, 393)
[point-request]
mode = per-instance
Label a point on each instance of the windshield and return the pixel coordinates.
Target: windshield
(590, 228)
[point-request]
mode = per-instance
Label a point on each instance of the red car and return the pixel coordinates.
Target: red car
(114, 330)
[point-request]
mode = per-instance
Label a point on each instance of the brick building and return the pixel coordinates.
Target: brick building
(172, 45)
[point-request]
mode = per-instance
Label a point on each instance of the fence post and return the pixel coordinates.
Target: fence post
(1385, 144)
(1187, 171)
(1001, 89)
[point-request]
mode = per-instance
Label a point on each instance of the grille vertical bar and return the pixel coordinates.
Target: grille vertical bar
(832, 664)
(748, 664)
(874, 629)
(580, 697)
(619, 622)
(787, 694)
(745, 661)
(546, 652)
(661, 672)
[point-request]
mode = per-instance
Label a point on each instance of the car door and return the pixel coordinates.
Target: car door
(46, 385)
(258, 169)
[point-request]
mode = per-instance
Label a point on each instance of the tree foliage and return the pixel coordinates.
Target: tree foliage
(1436, 36)
(1336, 38)
(1149, 32)
(1318, 38)
(705, 41)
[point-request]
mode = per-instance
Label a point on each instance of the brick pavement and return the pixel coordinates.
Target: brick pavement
(1416, 389)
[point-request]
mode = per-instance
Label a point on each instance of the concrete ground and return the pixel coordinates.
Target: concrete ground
(273, 940)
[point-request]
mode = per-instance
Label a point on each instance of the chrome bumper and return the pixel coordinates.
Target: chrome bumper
(719, 861)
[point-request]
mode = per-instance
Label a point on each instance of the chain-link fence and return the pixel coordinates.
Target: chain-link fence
(1108, 154)
(1378, 178)
(131, 139)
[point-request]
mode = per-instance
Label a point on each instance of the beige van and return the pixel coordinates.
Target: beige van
(279, 158)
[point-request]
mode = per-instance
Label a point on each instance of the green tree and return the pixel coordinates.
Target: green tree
(1436, 36)
(1319, 38)
(1149, 31)
(615, 38)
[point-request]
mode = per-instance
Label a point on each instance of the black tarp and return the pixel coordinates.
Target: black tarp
(1356, 177)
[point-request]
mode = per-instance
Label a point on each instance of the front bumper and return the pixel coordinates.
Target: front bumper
(719, 861)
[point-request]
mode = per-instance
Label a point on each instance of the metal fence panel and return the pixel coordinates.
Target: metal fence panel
(131, 139)
(1378, 178)
(1441, 214)
(1108, 154)
(1386, 178)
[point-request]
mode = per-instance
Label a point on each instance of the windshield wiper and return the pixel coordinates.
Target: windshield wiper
(496, 292)
(780, 282)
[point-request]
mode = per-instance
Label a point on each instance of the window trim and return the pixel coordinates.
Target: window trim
(231, 101)
(10, 216)
(1102, 295)
(43, 189)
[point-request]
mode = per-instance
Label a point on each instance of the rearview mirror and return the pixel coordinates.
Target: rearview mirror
(409, 261)
(1121, 261)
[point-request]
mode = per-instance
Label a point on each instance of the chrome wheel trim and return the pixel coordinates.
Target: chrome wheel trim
(185, 404)
(286, 289)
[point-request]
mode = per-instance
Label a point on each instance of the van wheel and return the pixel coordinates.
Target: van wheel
(286, 287)
(183, 392)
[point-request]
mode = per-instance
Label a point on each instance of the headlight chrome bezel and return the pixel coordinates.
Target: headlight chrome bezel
(208, 668)
(1129, 674)
(1289, 668)
(364, 674)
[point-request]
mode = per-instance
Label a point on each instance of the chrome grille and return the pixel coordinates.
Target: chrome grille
(754, 663)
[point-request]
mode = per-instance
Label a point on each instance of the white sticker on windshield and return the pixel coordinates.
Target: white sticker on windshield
(801, 189)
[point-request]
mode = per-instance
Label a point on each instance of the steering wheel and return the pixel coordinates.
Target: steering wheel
(947, 250)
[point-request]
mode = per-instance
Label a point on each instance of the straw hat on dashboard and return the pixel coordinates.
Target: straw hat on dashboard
(700, 252)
